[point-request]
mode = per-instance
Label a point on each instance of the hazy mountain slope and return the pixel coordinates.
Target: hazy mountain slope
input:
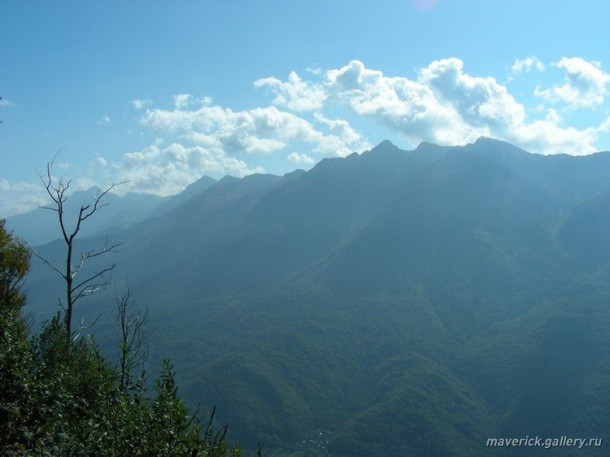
(468, 220)
(553, 366)
(585, 234)
(155, 244)
(40, 226)
(392, 303)
(118, 213)
(298, 222)
(191, 190)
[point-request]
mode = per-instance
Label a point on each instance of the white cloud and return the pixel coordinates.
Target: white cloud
(442, 103)
(448, 106)
(4, 102)
(333, 146)
(182, 100)
(585, 84)
(605, 125)
(168, 171)
(84, 183)
(105, 120)
(20, 197)
(480, 102)
(134, 160)
(295, 157)
(206, 100)
(527, 64)
(409, 107)
(256, 131)
(17, 198)
(343, 129)
(210, 139)
(140, 103)
(101, 162)
(295, 94)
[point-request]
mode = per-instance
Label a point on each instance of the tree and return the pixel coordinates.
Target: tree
(14, 264)
(60, 403)
(133, 336)
(76, 287)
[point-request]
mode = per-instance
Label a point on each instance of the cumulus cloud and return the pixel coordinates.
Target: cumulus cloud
(605, 125)
(409, 107)
(17, 198)
(441, 103)
(446, 105)
(585, 84)
(182, 100)
(215, 140)
(167, 171)
(256, 131)
(527, 65)
(295, 157)
(481, 103)
(294, 94)
(140, 103)
(342, 129)
(101, 162)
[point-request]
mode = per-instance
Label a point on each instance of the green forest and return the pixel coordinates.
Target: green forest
(59, 396)
(387, 304)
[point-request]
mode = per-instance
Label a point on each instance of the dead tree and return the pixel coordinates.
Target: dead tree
(134, 337)
(76, 287)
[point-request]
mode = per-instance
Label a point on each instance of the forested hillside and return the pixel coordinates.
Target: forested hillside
(390, 303)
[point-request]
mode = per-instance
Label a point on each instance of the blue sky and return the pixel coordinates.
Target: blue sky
(157, 94)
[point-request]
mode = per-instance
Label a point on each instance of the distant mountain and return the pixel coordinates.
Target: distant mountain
(390, 303)
(191, 190)
(40, 225)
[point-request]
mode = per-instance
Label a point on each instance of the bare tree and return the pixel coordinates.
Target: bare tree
(134, 337)
(76, 287)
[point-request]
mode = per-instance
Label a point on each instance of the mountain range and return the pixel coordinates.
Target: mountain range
(389, 303)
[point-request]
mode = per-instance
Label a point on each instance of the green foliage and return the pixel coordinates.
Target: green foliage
(65, 399)
(14, 263)
(401, 303)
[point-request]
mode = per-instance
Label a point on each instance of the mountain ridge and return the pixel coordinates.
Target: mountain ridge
(418, 295)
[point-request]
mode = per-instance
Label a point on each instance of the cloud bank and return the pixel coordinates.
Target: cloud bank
(333, 112)
(585, 84)
(442, 103)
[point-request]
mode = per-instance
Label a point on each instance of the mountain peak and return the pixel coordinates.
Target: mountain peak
(498, 146)
(384, 148)
(385, 145)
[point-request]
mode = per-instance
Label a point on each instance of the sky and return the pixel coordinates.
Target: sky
(156, 94)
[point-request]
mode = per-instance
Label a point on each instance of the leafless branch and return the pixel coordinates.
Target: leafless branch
(84, 256)
(82, 327)
(57, 189)
(133, 335)
(46, 262)
(99, 274)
